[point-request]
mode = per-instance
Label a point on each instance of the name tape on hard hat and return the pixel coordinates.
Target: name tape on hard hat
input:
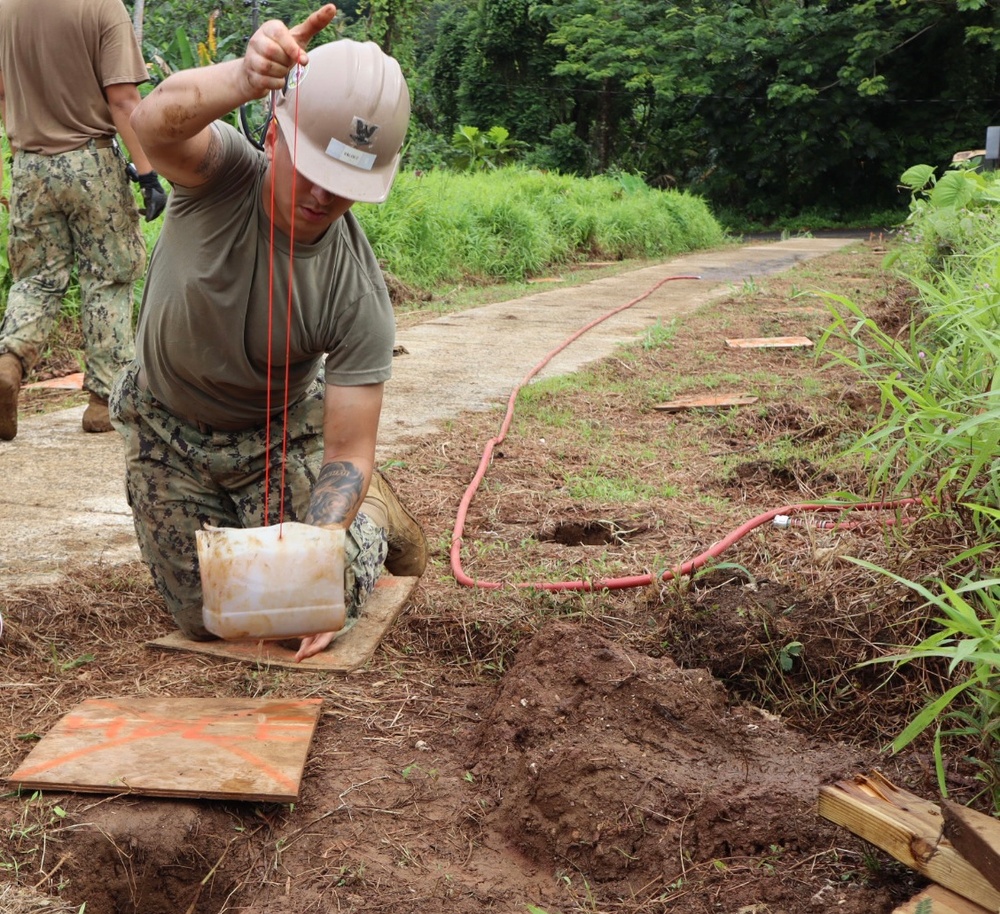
(350, 156)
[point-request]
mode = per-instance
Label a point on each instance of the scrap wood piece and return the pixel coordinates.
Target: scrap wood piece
(350, 650)
(69, 382)
(769, 342)
(696, 400)
(907, 827)
(976, 836)
(215, 748)
(936, 899)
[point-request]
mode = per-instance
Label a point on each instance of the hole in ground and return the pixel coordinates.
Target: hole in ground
(586, 532)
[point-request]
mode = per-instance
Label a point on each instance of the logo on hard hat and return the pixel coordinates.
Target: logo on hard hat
(363, 132)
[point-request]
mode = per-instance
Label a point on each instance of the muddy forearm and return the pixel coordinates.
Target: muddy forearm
(187, 102)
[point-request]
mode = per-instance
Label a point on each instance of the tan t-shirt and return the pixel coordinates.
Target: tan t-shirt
(202, 338)
(56, 58)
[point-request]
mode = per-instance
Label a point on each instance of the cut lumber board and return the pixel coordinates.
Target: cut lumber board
(769, 342)
(938, 900)
(907, 827)
(976, 836)
(696, 401)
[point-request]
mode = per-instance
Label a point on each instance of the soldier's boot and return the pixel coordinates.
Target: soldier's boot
(95, 416)
(407, 556)
(11, 373)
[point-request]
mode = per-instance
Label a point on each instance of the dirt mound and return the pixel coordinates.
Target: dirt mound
(634, 771)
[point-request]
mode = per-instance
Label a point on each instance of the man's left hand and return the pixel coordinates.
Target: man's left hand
(313, 644)
(153, 194)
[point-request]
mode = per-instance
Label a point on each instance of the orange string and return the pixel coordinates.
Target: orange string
(288, 309)
(288, 334)
(270, 337)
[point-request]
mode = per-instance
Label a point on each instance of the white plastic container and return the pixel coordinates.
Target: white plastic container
(267, 583)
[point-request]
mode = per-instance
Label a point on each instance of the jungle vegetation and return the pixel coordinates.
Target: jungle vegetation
(766, 108)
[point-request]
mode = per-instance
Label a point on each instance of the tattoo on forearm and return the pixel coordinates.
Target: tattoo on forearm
(336, 495)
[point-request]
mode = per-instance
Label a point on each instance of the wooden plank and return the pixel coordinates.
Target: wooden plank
(217, 748)
(69, 382)
(707, 400)
(770, 342)
(976, 836)
(350, 650)
(797, 311)
(907, 827)
(936, 899)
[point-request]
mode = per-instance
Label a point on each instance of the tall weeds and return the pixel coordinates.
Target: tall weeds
(939, 436)
(511, 223)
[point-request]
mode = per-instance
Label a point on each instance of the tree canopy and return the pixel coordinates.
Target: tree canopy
(765, 106)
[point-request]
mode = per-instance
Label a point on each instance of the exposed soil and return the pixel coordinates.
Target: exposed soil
(644, 749)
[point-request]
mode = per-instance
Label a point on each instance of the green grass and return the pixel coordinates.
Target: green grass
(445, 227)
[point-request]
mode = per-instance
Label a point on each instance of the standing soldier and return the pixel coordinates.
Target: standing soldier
(69, 72)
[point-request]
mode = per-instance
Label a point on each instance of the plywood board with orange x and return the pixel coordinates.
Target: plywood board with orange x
(235, 749)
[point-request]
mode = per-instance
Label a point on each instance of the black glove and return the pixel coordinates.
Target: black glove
(153, 194)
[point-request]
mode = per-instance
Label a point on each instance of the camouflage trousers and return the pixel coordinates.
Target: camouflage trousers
(181, 477)
(74, 207)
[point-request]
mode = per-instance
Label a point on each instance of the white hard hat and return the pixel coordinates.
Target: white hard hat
(353, 107)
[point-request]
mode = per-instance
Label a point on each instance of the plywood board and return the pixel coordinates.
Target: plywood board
(707, 400)
(216, 748)
(349, 651)
(770, 342)
(69, 382)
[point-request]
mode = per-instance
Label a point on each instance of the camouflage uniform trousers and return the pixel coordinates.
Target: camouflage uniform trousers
(74, 205)
(180, 477)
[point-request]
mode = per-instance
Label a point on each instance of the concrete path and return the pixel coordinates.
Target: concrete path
(61, 491)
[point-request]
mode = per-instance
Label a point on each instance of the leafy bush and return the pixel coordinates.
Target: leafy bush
(949, 218)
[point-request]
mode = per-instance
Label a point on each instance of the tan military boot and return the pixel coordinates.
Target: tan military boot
(407, 544)
(96, 417)
(11, 373)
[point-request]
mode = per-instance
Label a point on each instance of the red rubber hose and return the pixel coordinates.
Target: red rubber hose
(642, 580)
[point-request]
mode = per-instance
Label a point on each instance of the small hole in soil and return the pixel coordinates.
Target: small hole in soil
(586, 532)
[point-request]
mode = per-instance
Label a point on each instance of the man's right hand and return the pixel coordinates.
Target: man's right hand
(175, 123)
(275, 48)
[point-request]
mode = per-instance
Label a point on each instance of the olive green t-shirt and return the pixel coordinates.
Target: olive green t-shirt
(202, 339)
(56, 58)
